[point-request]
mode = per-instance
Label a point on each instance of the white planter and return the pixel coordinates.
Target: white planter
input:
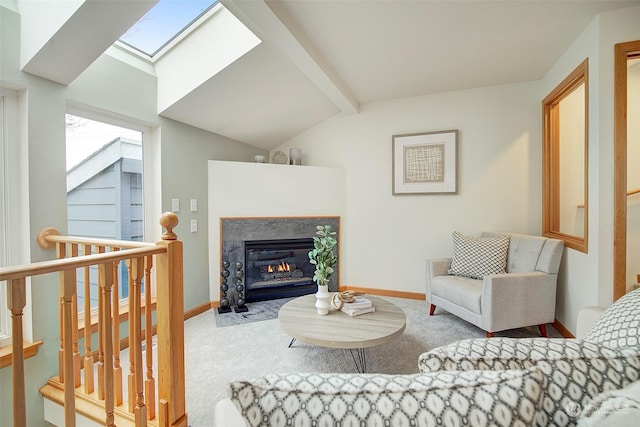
(323, 299)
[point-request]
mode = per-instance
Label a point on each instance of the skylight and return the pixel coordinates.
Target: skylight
(163, 23)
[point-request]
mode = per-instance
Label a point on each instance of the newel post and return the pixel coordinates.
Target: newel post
(170, 326)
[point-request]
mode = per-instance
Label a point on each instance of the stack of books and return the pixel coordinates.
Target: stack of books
(360, 305)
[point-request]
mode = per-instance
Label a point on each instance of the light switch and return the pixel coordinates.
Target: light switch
(194, 225)
(194, 205)
(175, 205)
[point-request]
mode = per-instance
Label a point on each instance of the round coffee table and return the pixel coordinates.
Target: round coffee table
(299, 319)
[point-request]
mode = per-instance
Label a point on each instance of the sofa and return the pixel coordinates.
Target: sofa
(592, 381)
(497, 281)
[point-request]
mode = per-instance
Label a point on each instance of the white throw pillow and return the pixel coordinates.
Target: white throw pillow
(477, 257)
(619, 325)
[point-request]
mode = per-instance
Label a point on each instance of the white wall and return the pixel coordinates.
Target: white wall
(577, 286)
(176, 165)
(219, 41)
(242, 189)
(499, 176)
(615, 27)
(588, 278)
(185, 155)
(499, 173)
(41, 107)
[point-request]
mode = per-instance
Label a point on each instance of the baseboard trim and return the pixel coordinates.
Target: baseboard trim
(199, 309)
(561, 328)
(384, 292)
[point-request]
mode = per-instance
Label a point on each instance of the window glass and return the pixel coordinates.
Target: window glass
(4, 312)
(164, 22)
(565, 192)
(14, 246)
(104, 191)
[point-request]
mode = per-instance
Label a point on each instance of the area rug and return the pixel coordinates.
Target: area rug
(258, 311)
(215, 356)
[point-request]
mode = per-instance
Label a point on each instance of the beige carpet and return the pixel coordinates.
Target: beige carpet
(215, 356)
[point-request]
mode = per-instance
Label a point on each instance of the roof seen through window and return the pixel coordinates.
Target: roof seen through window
(164, 22)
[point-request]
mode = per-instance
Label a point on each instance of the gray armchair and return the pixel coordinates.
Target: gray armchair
(523, 296)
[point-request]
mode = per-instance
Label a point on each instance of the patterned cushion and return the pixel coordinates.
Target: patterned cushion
(576, 370)
(620, 408)
(476, 398)
(619, 325)
(477, 257)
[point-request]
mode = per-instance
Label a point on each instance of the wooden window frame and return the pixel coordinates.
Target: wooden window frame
(551, 160)
(622, 53)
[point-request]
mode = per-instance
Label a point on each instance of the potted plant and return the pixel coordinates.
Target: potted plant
(323, 257)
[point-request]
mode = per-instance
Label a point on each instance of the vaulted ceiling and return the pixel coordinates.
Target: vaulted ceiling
(318, 58)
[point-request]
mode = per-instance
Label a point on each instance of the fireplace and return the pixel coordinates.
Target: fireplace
(278, 268)
(272, 239)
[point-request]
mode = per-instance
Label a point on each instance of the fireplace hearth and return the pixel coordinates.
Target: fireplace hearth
(278, 269)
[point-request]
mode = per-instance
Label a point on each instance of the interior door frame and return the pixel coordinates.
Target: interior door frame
(622, 52)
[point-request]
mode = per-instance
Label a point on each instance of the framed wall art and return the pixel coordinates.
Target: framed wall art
(425, 163)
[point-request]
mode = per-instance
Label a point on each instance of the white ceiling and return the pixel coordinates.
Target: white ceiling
(377, 50)
(324, 57)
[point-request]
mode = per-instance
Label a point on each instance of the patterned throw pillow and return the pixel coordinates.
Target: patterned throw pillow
(619, 325)
(477, 257)
(472, 398)
(576, 370)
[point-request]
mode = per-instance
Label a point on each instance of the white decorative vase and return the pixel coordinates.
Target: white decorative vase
(323, 299)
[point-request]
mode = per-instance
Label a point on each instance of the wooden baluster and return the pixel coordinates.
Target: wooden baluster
(131, 383)
(135, 341)
(136, 396)
(67, 287)
(170, 324)
(88, 355)
(16, 301)
(101, 386)
(117, 369)
(61, 252)
(74, 326)
(150, 382)
(105, 281)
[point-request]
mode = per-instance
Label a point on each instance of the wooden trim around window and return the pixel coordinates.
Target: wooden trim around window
(551, 159)
(622, 52)
(6, 353)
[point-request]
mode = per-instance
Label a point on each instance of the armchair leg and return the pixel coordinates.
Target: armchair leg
(432, 308)
(489, 334)
(543, 330)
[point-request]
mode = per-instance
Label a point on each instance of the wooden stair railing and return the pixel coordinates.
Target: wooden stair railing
(98, 393)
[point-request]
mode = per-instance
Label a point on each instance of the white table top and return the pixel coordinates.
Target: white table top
(300, 319)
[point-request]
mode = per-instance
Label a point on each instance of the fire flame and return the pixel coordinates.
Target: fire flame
(283, 266)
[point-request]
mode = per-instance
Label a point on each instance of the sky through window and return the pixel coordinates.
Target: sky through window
(165, 21)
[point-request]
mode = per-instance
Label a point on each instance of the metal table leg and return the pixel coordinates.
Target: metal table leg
(360, 359)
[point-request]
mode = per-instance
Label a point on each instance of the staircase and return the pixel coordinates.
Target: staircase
(93, 387)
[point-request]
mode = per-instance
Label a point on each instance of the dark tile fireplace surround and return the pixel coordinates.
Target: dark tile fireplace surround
(273, 253)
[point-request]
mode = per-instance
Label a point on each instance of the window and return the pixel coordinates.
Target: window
(167, 20)
(5, 329)
(14, 207)
(104, 191)
(565, 161)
